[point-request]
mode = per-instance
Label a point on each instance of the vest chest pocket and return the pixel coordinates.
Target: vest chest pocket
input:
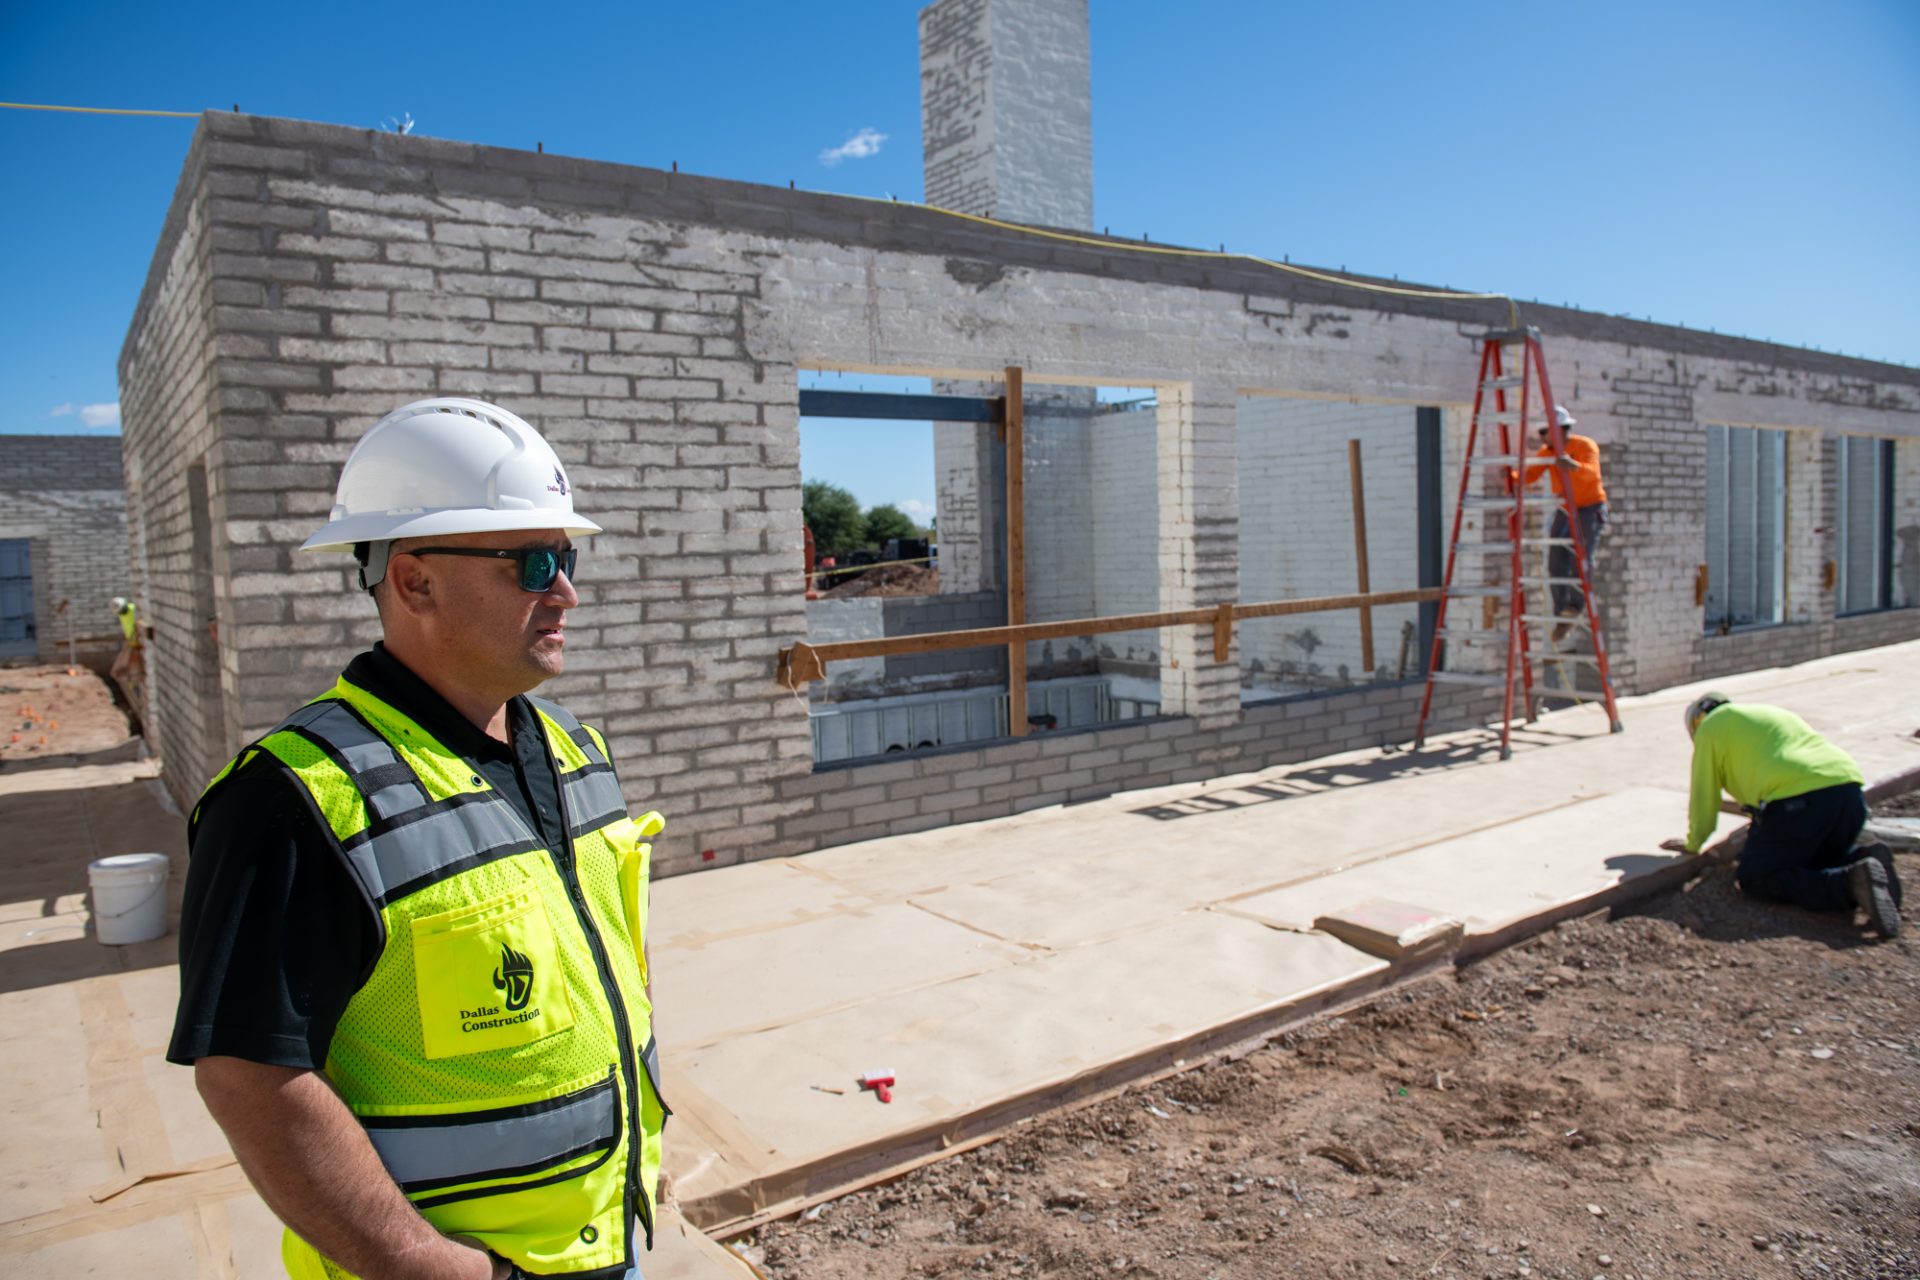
(489, 976)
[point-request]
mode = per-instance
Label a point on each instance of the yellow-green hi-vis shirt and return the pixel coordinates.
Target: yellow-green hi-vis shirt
(500, 1052)
(1758, 754)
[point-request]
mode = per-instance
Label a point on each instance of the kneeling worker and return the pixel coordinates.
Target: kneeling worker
(413, 989)
(1808, 805)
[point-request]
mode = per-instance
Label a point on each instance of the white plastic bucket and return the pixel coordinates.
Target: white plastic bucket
(129, 897)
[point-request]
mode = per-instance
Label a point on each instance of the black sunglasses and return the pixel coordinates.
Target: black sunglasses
(539, 566)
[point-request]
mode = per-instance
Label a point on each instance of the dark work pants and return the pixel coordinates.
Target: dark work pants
(1797, 848)
(1560, 560)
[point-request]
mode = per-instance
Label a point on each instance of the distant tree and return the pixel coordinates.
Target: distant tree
(888, 521)
(834, 516)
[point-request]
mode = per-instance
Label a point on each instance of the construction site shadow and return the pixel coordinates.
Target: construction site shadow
(51, 837)
(1392, 764)
(1712, 907)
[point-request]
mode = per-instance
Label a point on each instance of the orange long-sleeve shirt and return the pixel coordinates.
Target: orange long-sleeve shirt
(1585, 473)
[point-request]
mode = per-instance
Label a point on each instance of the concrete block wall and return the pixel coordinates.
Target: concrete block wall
(349, 286)
(1123, 484)
(649, 323)
(174, 450)
(1007, 111)
(1296, 536)
(874, 617)
(64, 496)
(1906, 524)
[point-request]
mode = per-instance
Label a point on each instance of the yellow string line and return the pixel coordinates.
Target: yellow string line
(1173, 251)
(100, 111)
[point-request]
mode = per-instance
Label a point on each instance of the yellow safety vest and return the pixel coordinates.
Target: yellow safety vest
(129, 625)
(499, 1052)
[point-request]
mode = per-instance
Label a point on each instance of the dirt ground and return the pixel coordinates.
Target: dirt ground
(1701, 1086)
(889, 580)
(46, 712)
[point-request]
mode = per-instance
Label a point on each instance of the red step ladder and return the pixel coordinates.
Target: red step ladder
(1513, 393)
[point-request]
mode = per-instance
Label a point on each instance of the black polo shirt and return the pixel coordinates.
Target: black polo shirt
(275, 935)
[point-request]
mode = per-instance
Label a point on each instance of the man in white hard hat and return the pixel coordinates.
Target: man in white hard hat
(1577, 470)
(1808, 807)
(413, 976)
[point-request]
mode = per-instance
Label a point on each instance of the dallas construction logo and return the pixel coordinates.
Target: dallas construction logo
(515, 977)
(559, 484)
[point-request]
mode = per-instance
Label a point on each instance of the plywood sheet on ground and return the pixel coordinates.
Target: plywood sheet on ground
(966, 1046)
(1490, 879)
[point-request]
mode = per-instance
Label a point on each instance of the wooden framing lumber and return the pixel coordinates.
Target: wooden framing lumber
(1360, 552)
(802, 662)
(1015, 419)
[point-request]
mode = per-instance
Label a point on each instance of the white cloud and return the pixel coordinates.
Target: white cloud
(914, 509)
(861, 145)
(91, 415)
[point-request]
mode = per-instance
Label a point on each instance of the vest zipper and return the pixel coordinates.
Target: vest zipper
(634, 1197)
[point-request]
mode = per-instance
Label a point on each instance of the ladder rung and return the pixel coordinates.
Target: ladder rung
(1572, 695)
(1478, 593)
(1546, 542)
(1468, 677)
(1483, 546)
(1549, 620)
(1590, 659)
(1500, 459)
(1475, 502)
(1534, 580)
(1504, 383)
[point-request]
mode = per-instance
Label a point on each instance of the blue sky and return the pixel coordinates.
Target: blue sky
(1752, 167)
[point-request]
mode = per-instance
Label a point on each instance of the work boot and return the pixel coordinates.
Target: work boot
(1872, 892)
(1884, 856)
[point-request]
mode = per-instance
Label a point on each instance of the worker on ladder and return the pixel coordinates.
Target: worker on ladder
(1578, 465)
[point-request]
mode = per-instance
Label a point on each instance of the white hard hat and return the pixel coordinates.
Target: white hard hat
(1561, 415)
(1700, 707)
(445, 466)
(119, 604)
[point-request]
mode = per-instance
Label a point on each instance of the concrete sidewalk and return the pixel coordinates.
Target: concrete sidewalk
(1004, 967)
(999, 968)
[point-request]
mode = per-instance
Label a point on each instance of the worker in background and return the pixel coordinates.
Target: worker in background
(1578, 467)
(129, 669)
(413, 981)
(1808, 808)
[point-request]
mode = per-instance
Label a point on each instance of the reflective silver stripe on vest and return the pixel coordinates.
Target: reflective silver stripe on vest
(417, 852)
(593, 799)
(493, 1144)
(363, 751)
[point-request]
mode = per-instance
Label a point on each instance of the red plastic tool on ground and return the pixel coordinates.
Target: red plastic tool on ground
(881, 1082)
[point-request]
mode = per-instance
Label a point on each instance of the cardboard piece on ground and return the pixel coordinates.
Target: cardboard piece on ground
(1394, 930)
(1492, 879)
(848, 958)
(970, 1048)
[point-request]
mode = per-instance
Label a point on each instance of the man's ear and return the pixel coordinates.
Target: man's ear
(409, 584)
